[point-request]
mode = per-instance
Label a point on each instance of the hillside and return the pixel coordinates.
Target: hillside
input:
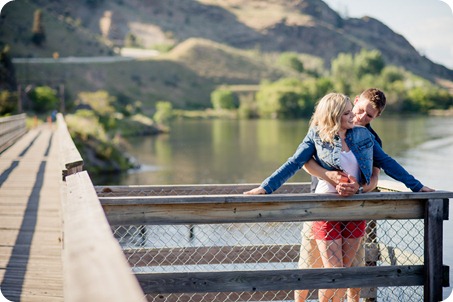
(186, 76)
(305, 26)
(216, 42)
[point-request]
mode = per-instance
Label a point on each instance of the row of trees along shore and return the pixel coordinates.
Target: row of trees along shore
(349, 74)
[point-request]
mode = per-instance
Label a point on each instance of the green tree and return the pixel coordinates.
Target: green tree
(164, 112)
(247, 107)
(352, 73)
(44, 99)
(38, 34)
(291, 60)
(103, 104)
(390, 74)
(425, 98)
(8, 102)
(315, 89)
(281, 99)
(343, 73)
(223, 99)
(100, 101)
(368, 62)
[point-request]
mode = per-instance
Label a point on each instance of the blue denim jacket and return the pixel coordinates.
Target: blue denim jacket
(363, 146)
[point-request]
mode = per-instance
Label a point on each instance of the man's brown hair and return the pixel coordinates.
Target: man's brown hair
(376, 97)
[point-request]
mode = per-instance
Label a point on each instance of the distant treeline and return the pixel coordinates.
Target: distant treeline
(349, 74)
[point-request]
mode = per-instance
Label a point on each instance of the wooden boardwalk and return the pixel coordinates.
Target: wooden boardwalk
(30, 220)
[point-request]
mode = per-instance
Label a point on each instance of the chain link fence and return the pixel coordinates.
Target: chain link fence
(258, 246)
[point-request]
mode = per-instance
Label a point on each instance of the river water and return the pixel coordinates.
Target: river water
(247, 151)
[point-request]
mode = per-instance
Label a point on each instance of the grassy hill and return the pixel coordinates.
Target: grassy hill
(64, 34)
(216, 42)
(186, 75)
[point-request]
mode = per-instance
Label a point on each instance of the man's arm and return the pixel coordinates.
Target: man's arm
(393, 169)
(335, 178)
(332, 177)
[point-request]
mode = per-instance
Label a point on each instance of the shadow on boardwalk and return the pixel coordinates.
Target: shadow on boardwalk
(30, 224)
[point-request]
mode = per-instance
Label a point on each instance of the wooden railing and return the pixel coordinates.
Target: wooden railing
(95, 268)
(11, 129)
(70, 159)
(142, 205)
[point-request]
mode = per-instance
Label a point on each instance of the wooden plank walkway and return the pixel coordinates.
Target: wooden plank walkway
(30, 220)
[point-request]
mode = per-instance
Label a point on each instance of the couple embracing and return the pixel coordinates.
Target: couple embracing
(344, 155)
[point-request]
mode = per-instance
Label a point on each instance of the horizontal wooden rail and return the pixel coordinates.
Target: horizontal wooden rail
(70, 159)
(194, 209)
(94, 264)
(11, 129)
(269, 280)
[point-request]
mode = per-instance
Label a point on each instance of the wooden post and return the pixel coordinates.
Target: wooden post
(434, 214)
(62, 100)
(19, 99)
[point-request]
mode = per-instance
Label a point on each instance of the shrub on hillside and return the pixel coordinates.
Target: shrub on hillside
(164, 112)
(223, 99)
(291, 60)
(8, 102)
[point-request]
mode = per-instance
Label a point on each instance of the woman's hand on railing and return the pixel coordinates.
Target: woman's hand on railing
(255, 191)
(426, 189)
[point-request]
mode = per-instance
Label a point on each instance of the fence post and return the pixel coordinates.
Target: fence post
(434, 214)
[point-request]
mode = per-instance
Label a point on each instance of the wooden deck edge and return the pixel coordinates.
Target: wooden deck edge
(95, 266)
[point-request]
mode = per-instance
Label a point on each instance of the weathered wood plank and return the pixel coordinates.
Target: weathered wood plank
(96, 269)
(299, 208)
(252, 281)
(30, 225)
(270, 198)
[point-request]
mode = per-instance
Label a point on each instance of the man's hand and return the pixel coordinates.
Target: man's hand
(348, 187)
(426, 189)
(255, 191)
(336, 177)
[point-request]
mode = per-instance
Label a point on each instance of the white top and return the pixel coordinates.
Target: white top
(350, 166)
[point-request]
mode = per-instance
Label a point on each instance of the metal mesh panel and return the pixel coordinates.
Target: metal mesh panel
(258, 246)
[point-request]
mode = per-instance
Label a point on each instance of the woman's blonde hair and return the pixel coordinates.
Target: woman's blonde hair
(327, 115)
